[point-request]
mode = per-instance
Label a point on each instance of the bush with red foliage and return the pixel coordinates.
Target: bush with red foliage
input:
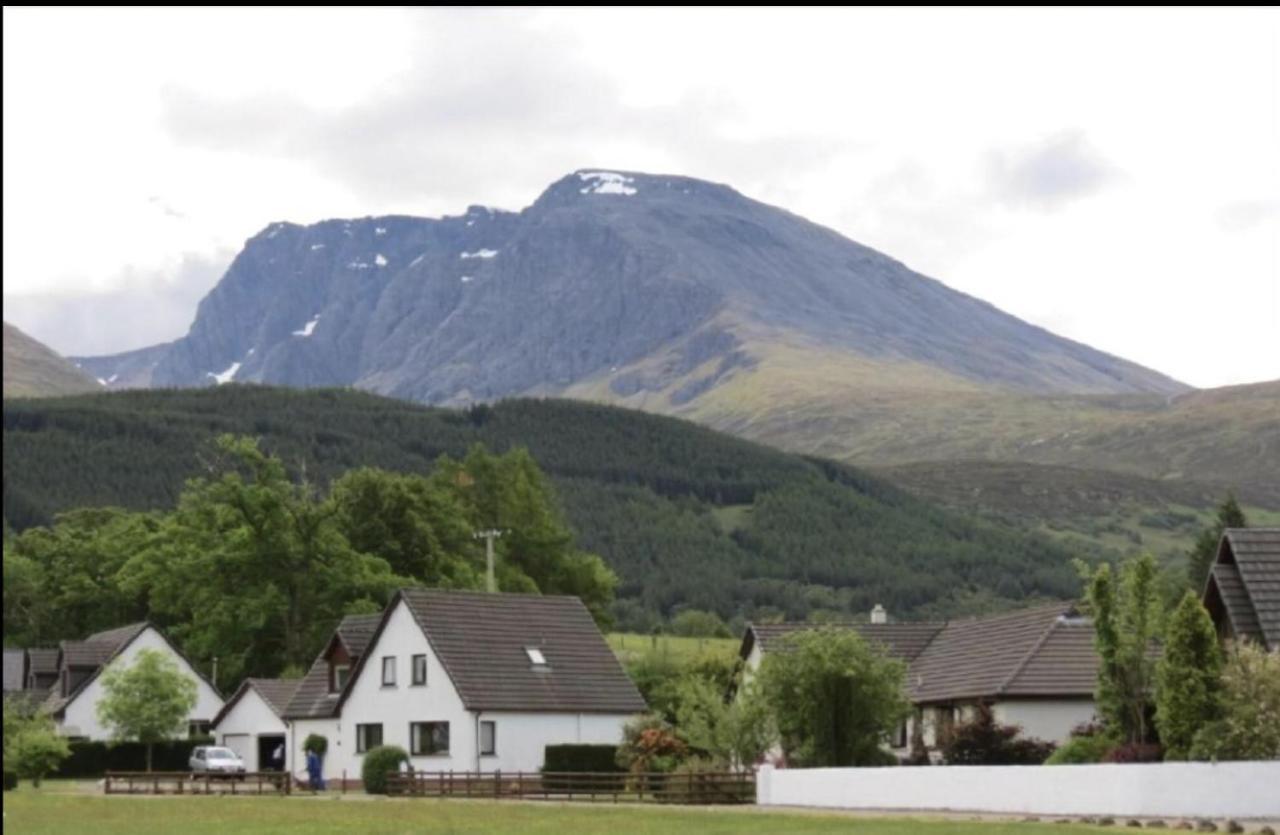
(982, 741)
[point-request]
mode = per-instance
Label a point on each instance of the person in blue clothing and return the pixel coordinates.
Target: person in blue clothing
(314, 772)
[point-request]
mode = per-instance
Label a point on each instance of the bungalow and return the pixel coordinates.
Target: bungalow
(1242, 591)
(252, 724)
(463, 681)
(1037, 668)
(76, 684)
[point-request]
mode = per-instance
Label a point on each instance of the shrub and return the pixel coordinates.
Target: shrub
(1249, 728)
(378, 763)
(595, 759)
(650, 744)
(317, 743)
(685, 785)
(10, 781)
(982, 741)
(1135, 752)
(1080, 750)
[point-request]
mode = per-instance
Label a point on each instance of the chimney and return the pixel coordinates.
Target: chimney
(879, 615)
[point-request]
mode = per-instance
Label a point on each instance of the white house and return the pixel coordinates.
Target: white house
(73, 698)
(1037, 668)
(464, 681)
(252, 724)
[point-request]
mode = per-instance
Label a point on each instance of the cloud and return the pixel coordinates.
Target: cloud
(143, 307)
(1245, 214)
(1048, 174)
(442, 134)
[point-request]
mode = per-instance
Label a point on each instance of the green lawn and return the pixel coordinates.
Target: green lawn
(48, 811)
(628, 645)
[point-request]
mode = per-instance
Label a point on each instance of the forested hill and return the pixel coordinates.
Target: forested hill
(685, 515)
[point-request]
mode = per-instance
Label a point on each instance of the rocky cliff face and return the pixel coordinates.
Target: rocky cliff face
(635, 286)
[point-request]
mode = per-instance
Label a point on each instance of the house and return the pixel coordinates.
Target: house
(252, 723)
(1037, 668)
(463, 681)
(76, 685)
(1242, 591)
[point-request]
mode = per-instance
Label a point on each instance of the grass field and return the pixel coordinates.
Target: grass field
(627, 645)
(49, 811)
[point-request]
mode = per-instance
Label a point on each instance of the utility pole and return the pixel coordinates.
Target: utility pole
(489, 536)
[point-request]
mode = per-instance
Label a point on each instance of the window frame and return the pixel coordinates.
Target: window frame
(336, 672)
(414, 751)
(413, 671)
(536, 656)
(392, 667)
(492, 750)
(362, 742)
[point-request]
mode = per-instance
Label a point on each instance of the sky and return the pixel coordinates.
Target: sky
(1113, 176)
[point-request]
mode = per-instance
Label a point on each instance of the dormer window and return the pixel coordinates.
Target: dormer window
(536, 658)
(338, 677)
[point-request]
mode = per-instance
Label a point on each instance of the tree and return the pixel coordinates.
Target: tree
(694, 623)
(834, 697)
(1187, 677)
(1229, 515)
(148, 701)
(1125, 615)
(734, 734)
(32, 745)
(252, 567)
(1250, 725)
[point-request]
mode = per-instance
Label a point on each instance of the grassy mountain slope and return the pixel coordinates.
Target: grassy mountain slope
(685, 515)
(32, 369)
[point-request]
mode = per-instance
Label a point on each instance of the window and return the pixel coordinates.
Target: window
(197, 727)
(900, 735)
(427, 738)
(338, 677)
(419, 669)
(488, 738)
(536, 657)
(388, 671)
(368, 736)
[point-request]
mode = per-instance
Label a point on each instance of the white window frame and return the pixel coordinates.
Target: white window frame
(413, 672)
(386, 667)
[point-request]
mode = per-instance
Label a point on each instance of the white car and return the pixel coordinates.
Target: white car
(209, 759)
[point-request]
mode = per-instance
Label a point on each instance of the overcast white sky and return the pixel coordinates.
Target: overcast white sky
(1111, 175)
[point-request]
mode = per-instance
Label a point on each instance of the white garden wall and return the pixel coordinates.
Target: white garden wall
(1235, 790)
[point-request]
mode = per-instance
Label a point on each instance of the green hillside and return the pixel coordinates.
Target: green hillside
(32, 369)
(685, 515)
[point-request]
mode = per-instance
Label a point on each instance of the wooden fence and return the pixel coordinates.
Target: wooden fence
(700, 788)
(187, 782)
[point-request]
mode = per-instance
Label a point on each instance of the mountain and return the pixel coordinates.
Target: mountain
(685, 515)
(624, 284)
(682, 297)
(32, 369)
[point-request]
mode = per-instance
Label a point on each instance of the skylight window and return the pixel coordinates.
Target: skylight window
(536, 658)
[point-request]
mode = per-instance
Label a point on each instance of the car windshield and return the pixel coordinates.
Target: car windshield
(220, 754)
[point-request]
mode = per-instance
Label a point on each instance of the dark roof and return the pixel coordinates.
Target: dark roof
(1042, 651)
(276, 692)
(904, 641)
(15, 670)
(977, 658)
(356, 631)
(312, 699)
(481, 638)
(96, 651)
(1251, 594)
(42, 661)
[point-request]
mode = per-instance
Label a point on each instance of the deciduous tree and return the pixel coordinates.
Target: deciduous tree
(147, 701)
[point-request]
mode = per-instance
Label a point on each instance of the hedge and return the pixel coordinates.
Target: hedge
(596, 759)
(10, 781)
(378, 764)
(93, 759)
